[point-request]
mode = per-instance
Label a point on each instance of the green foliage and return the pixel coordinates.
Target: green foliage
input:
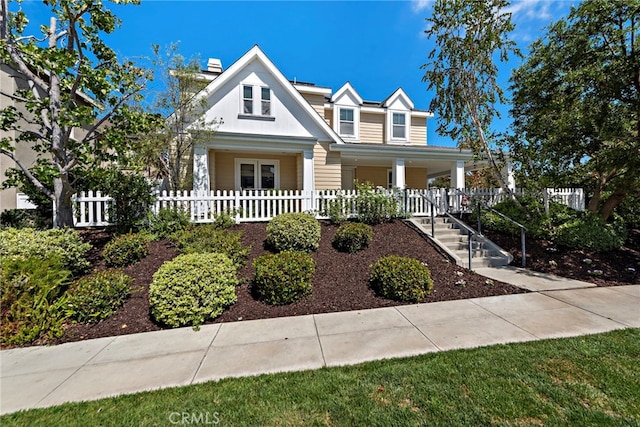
(470, 36)
(70, 62)
(126, 249)
(283, 278)
(20, 218)
(167, 221)
(352, 237)
(576, 103)
(223, 221)
(401, 278)
(207, 238)
(293, 232)
(374, 207)
(192, 289)
(64, 244)
(32, 305)
(98, 296)
(131, 193)
(44, 173)
(335, 210)
(591, 232)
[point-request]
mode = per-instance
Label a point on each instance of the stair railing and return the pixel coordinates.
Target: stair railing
(523, 229)
(471, 233)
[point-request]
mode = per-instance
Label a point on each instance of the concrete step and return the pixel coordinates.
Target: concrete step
(454, 241)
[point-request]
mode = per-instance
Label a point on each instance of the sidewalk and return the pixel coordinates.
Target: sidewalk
(86, 370)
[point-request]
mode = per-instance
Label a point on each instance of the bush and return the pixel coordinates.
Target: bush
(32, 302)
(352, 237)
(167, 221)
(126, 249)
(64, 244)
(192, 288)
(373, 207)
(98, 296)
(590, 232)
(20, 218)
(283, 278)
(208, 239)
(131, 195)
(336, 210)
(223, 221)
(400, 278)
(293, 232)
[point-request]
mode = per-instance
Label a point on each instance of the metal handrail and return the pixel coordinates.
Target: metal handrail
(470, 231)
(523, 229)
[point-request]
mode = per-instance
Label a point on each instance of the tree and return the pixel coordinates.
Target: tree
(77, 109)
(576, 103)
(168, 150)
(462, 70)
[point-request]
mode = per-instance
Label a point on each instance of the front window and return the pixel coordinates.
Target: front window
(266, 101)
(399, 126)
(257, 174)
(346, 121)
(247, 99)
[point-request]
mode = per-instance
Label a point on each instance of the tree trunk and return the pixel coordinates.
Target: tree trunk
(610, 204)
(594, 203)
(63, 212)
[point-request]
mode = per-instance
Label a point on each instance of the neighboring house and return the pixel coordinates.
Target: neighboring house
(297, 136)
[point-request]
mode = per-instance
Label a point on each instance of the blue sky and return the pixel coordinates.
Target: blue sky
(376, 45)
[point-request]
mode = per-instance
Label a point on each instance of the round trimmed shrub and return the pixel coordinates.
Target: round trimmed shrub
(126, 249)
(192, 288)
(400, 278)
(352, 237)
(64, 244)
(293, 232)
(283, 278)
(98, 296)
(207, 238)
(590, 232)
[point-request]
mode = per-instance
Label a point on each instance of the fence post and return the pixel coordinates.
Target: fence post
(470, 244)
(524, 249)
(479, 219)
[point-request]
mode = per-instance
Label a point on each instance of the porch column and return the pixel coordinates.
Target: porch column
(398, 174)
(457, 174)
(200, 169)
(307, 180)
(507, 173)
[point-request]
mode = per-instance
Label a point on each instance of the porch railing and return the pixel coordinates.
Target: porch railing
(91, 209)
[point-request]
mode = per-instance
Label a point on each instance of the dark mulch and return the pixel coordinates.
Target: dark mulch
(340, 282)
(619, 267)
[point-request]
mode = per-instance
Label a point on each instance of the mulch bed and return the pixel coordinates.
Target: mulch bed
(339, 284)
(619, 267)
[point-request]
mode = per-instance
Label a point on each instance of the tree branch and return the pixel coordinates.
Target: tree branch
(28, 174)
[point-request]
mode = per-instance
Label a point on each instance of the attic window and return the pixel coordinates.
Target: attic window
(266, 101)
(247, 99)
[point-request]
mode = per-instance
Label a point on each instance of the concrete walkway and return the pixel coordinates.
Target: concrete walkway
(86, 370)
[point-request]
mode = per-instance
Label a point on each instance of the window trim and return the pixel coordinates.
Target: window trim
(257, 172)
(391, 126)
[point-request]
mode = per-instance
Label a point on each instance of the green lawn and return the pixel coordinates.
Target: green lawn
(583, 381)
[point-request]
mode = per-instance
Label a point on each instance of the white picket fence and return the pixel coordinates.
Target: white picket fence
(92, 209)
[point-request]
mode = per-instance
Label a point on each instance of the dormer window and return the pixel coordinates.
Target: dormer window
(247, 99)
(346, 122)
(399, 126)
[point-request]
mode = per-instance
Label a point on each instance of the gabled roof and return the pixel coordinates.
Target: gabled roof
(347, 88)
(398, 94)
(256, 54)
